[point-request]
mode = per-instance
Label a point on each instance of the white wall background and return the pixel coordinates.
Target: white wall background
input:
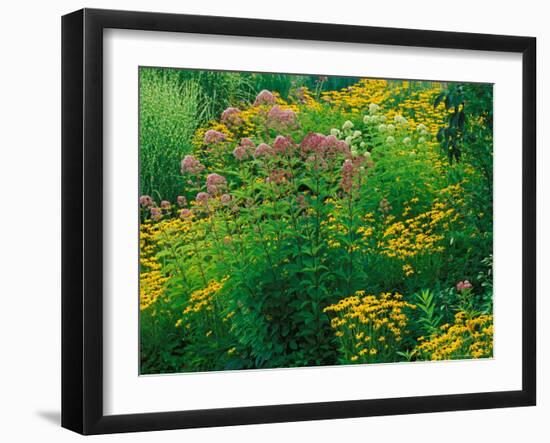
(30, 219)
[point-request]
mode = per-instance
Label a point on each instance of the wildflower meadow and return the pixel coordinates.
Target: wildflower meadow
(306, 220)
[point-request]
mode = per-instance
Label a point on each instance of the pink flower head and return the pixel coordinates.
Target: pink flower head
(282, 144)
(215, 183)
(185, 214)
(278, 176)
(280, 118)
(463, 285)
(156, 213)
(247, 143)
(240, 153)
(202, 198)
(263, 150)
(264, 98)
(343, 148)
(331, 140)
(191, 165)
(348, 171)
(146, 201)
(347, 166)
(334, 146)
(314, 145)
(245, 149)
(225, 199)
(231, 117)
(165, 204)
(213, 137)
(182, 201)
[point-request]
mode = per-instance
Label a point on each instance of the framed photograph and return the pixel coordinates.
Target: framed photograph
(270, 221)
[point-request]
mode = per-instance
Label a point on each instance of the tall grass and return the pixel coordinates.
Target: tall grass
(219, 90)
(170, 112)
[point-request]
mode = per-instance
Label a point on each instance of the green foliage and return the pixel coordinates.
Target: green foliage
(469, 125)
(248, 270)
(429, 319)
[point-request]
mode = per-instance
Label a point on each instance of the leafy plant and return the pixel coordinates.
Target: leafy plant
(428, 319)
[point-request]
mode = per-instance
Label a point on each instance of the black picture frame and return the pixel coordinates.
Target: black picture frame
(82, 215)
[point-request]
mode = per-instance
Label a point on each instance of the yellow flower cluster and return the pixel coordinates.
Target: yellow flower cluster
(453, 193)
(358, 96)
(152, 238)
(367, 233)
(418, 107)
(307, 100)
(151, 280)
(468, 337)
(151, 287)
(417, 235)
(408, 270)
(204, 299)
(369, 328)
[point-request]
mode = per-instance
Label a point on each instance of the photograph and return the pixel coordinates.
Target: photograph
(305, 220)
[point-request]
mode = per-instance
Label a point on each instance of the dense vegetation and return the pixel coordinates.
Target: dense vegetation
(298, 220)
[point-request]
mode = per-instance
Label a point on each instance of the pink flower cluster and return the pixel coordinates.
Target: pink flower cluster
(212, 137)
(185, 213)
(247, 143)
(202, 198)
(182, 201)
(240, 153)
(282, 144)
(191, 165)
(231, 117)
(265, 98)
(146, 201)
(156, 213)
(225, 199)
(263, 150)
(348, 172)
(463, 285)
(280, 118)
(323, 146)
(278, 176)
(215, 183)
(350, 168)
(244, 150)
